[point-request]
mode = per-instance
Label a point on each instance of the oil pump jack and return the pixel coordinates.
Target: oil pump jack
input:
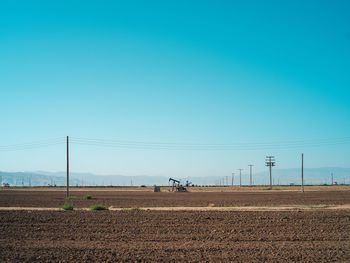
(177, 186)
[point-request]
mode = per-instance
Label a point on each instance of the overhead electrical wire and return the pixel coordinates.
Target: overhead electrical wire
(141, 145)
(32, 145)
(208, 146)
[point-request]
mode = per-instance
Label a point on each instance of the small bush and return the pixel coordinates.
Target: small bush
(87, 197)
(211, 205)
(98, 207)
(72, 197)
(67, 206)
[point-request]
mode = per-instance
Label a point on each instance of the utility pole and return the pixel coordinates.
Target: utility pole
(240, 177)
(332, 178)
(251, 178)
(67, 166)
(270, 162)
(233, 174)
(226, 180)
(302, 173)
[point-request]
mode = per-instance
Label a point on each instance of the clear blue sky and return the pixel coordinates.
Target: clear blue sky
(176, 72)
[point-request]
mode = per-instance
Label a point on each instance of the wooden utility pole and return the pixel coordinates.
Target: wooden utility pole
(332, 178)
(251, 177)
(302, 173)
(270, 162)
(240, 177)
(67, 166)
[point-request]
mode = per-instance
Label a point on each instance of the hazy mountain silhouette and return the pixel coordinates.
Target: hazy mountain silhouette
(280, 176)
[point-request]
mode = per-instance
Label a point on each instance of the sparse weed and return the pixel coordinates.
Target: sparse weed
(98, 207)
(67, 206)
(72, 197)
(87, 197)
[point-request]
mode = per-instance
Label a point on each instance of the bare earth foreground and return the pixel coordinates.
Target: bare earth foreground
(144, 197)
(314, 235)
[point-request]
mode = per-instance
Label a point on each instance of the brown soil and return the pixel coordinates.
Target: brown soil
(116, 198)
(191, 208)
(137, 235)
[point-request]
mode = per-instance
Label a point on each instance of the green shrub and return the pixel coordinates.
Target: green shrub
(87, 197)
(72, 197)
(67, 206)
(98, 207)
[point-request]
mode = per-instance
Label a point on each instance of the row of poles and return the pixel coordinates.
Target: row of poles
(240, 175)
(269, 162)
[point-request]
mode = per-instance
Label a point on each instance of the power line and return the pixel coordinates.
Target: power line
(141, 145)
(199, 146)
(264, 144)
(32, 145)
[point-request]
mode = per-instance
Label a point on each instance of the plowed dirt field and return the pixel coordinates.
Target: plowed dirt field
(115, 198)
(318, 234)
(136, 235)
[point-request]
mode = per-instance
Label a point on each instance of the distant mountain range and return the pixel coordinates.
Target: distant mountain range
(280, 176)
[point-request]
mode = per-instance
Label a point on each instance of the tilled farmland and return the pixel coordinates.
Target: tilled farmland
(136, 235)
(115, 198)
(319, 234)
